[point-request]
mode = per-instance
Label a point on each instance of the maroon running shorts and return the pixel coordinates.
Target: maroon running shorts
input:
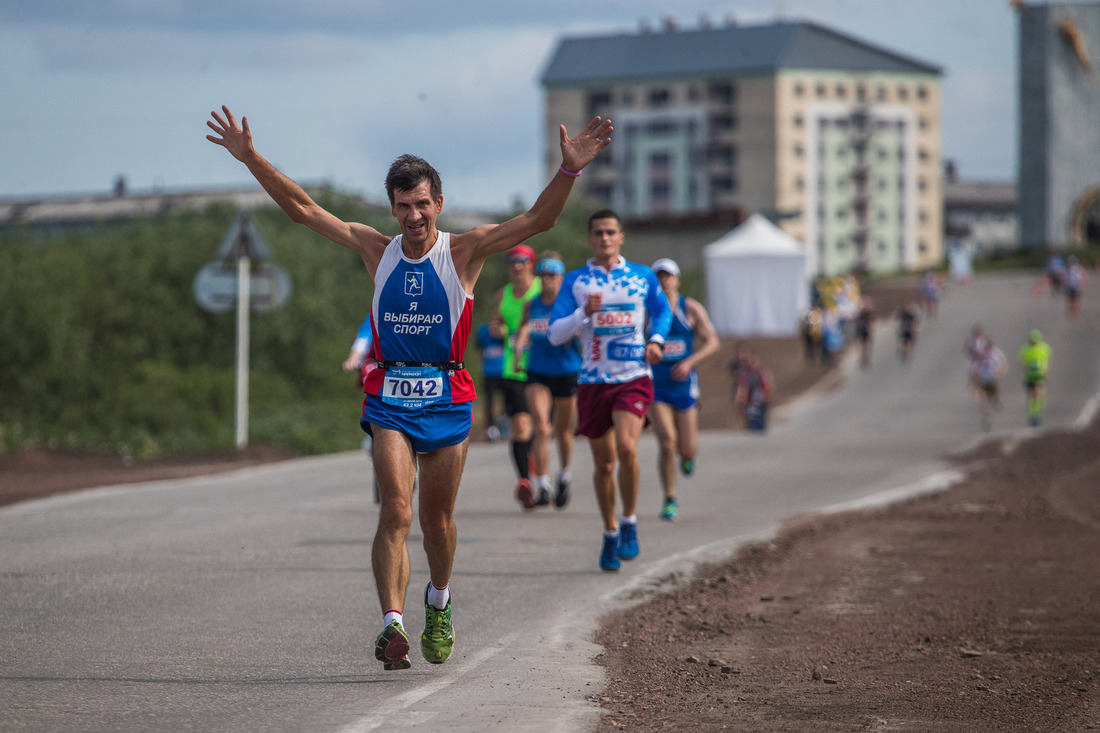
(596, 402)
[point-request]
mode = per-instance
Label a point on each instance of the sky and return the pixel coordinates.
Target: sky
(334, 90)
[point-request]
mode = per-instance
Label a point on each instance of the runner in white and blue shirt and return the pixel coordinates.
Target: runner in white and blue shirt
(607, 304)
(613, 339)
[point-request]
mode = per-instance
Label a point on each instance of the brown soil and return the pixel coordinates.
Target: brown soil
(33, 474)
(974, 609)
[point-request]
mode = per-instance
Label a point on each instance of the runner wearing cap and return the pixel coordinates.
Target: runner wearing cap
(551, 383)
(676, 383)
(523, 286)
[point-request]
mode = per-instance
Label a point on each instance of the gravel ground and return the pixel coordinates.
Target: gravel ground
(973, 609)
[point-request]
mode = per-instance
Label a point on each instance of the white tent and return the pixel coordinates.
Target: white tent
(756, 280)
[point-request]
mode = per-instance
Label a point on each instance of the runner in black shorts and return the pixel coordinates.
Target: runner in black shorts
(551, 384)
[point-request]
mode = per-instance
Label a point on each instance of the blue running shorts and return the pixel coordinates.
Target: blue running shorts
(429, 427)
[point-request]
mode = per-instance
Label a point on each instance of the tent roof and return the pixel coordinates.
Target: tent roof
(755, 237)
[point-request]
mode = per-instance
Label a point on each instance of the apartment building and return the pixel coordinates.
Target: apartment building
(835, 139)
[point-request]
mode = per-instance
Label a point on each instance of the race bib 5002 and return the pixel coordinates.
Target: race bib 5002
(614, 319)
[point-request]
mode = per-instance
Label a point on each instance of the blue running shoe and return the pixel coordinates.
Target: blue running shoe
(609, 557)
(669, 510)
(628, 541)
(687, 466)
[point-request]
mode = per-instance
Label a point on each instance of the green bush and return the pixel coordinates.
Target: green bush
(105, 348)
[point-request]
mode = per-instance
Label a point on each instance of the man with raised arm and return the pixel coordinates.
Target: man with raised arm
(419, 401)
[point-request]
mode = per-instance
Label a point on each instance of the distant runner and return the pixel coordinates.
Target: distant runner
(1035, 359)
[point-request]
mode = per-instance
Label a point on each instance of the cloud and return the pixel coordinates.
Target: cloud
(143, 51)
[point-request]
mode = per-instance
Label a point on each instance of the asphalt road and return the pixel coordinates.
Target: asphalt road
(246, 601)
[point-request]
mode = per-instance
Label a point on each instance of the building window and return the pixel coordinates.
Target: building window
(903, 92)
(880, 92)
(660, 159)
(693, 93)
(723, 93)
(660, 189)
(798, 121)
(820, 90)
(722, 154)
(799, 151)
(660, 127)
(922, 246)
(799, 90)
(601, 193)
(598, 102)
(861, 93)
(922, 93)
(628, 98)
(723, 122)
(841, 91)
(723, 184)
(659, 97)
(799, 183)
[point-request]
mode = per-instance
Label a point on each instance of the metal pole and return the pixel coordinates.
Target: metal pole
(244, 307)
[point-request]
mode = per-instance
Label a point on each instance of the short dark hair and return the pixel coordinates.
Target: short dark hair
(605, 214)
(407, 172)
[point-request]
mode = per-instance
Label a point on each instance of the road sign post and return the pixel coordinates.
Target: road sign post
(242, 277)
(244, 274)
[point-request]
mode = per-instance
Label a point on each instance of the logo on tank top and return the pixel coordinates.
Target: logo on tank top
(414, 283)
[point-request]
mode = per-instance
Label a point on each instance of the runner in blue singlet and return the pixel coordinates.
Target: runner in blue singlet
(418, 402)
(676, 383)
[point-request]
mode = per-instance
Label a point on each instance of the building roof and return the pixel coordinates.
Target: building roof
(719, 52)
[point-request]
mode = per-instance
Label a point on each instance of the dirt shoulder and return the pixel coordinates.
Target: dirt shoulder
(38, 473)
(973, 609)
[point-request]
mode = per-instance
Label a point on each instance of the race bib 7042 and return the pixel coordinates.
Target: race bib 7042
(412, 387)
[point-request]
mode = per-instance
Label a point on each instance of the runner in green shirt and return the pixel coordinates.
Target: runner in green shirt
(1035, 359)
(522, 287)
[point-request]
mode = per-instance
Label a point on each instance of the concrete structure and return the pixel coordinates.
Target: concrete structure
(47, 216)
(837, 140)
(1059, 173)
(981, 214)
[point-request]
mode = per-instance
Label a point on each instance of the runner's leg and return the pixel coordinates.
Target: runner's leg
(603, 479)
(664, 424)
(395, 468)
(440, 473)
(628, 428)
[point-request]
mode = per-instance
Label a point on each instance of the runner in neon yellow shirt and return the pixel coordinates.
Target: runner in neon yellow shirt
(1035, 359)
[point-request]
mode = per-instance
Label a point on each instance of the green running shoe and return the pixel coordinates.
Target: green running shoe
(391, 648)
(438, 640)
(687, 466)
(670, 509)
